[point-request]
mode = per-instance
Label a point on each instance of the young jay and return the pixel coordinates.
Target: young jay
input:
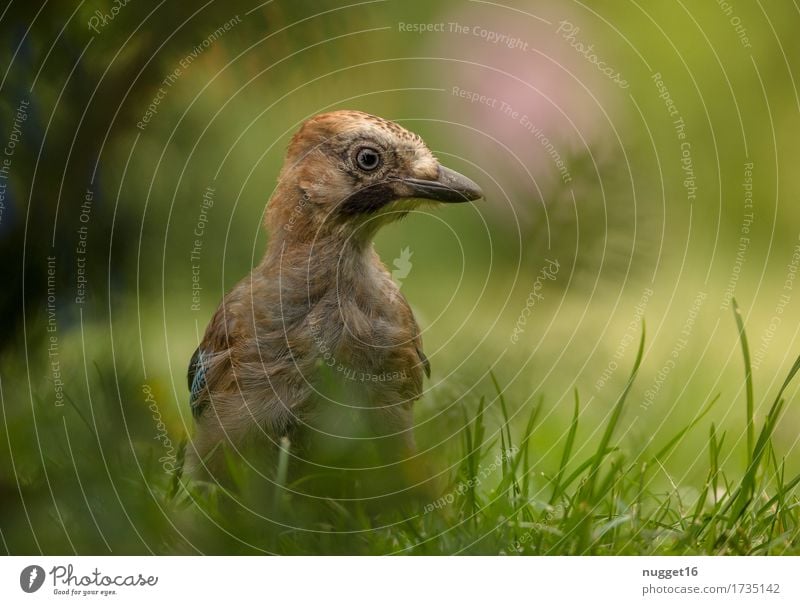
(321, 306)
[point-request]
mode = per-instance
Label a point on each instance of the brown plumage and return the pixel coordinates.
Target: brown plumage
(319, 330)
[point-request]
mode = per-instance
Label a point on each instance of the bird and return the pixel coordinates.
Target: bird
(319, 332)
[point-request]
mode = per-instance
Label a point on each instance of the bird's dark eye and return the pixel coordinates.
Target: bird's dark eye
(368, 158)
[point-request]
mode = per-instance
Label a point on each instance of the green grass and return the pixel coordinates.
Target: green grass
(604, 504)
(495, 496)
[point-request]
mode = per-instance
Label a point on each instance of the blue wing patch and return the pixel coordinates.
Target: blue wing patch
(197, 381)
(426, 365)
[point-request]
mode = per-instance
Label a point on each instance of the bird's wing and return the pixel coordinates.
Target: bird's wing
(422, 357)
(196, 377)
(209, 361)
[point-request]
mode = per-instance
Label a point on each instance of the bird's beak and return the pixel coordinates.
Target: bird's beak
(450, 186)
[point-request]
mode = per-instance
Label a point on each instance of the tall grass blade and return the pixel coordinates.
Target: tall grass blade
(567, 453)
(748, 377)
(526, 438)
(746, 489)
(677, 438)
(616, 415)
(503, 408)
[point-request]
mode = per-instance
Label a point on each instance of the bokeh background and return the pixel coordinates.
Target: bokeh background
(639, 163)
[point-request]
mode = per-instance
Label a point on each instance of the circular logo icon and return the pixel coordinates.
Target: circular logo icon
(31, 578)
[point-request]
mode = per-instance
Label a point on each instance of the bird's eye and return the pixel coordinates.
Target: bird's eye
(368, 158)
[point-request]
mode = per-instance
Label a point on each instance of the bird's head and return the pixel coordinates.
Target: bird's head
(349, 172)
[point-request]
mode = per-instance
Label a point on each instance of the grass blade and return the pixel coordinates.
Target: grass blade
(616, 415)
(677, 438)
(503, 408)
(567, 453)
(746, 489)
(283, 471)
(526, 469)
(748, 377)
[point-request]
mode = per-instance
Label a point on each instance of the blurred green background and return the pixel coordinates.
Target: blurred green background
(577, 169)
